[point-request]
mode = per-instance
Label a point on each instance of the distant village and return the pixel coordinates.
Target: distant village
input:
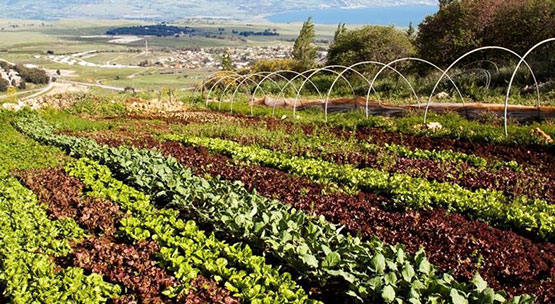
(189, 58)
(201, 58)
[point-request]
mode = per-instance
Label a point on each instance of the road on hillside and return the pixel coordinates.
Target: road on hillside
(51, 85)
(41, 92)
(96, 85)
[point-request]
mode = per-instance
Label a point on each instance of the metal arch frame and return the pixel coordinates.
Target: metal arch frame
(326, 68)
(197, 88)
(370, 84)
(222, 94)
(234, 78)
(237, 76)
(485, 71)
(215, 75)
(290, 82)
(522, 60)
(409, 59)
(208, 78)
(472, 52)
(486, 61)
(248, 77)
(297, 74)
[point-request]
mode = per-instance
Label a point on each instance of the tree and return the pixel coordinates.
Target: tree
(410, 31)
(465, 25)
(32, 75)
(376, 43)
(304, 49)
(444, 3)
(226, 63)
(341, 29)
(519, 25)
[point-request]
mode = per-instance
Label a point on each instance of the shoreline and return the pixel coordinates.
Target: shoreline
(330, 10)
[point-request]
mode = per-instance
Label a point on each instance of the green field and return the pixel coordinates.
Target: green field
(27, 41)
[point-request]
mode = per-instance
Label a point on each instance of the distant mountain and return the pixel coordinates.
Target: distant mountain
(174, 9)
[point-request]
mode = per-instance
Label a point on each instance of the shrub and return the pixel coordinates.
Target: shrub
(461, 26)
(377, 43)
(32, 75)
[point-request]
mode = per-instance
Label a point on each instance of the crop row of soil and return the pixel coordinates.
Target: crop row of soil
(510, 262)
(540, 156)
(536, 155)
(132, 266)
(528, 181)
(536, 180)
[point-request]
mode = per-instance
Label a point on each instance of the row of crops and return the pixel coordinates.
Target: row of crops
(195, 219)
(491, 206)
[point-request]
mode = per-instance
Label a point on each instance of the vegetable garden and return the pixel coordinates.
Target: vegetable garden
(213, 207)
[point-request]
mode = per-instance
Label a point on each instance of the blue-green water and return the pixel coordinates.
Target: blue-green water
(391, 15)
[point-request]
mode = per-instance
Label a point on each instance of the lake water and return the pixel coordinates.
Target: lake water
(391, 15)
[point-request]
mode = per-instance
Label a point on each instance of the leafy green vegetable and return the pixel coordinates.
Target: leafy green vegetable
(28, 241)
(289, 235)
(532, 215)
(187, 250)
